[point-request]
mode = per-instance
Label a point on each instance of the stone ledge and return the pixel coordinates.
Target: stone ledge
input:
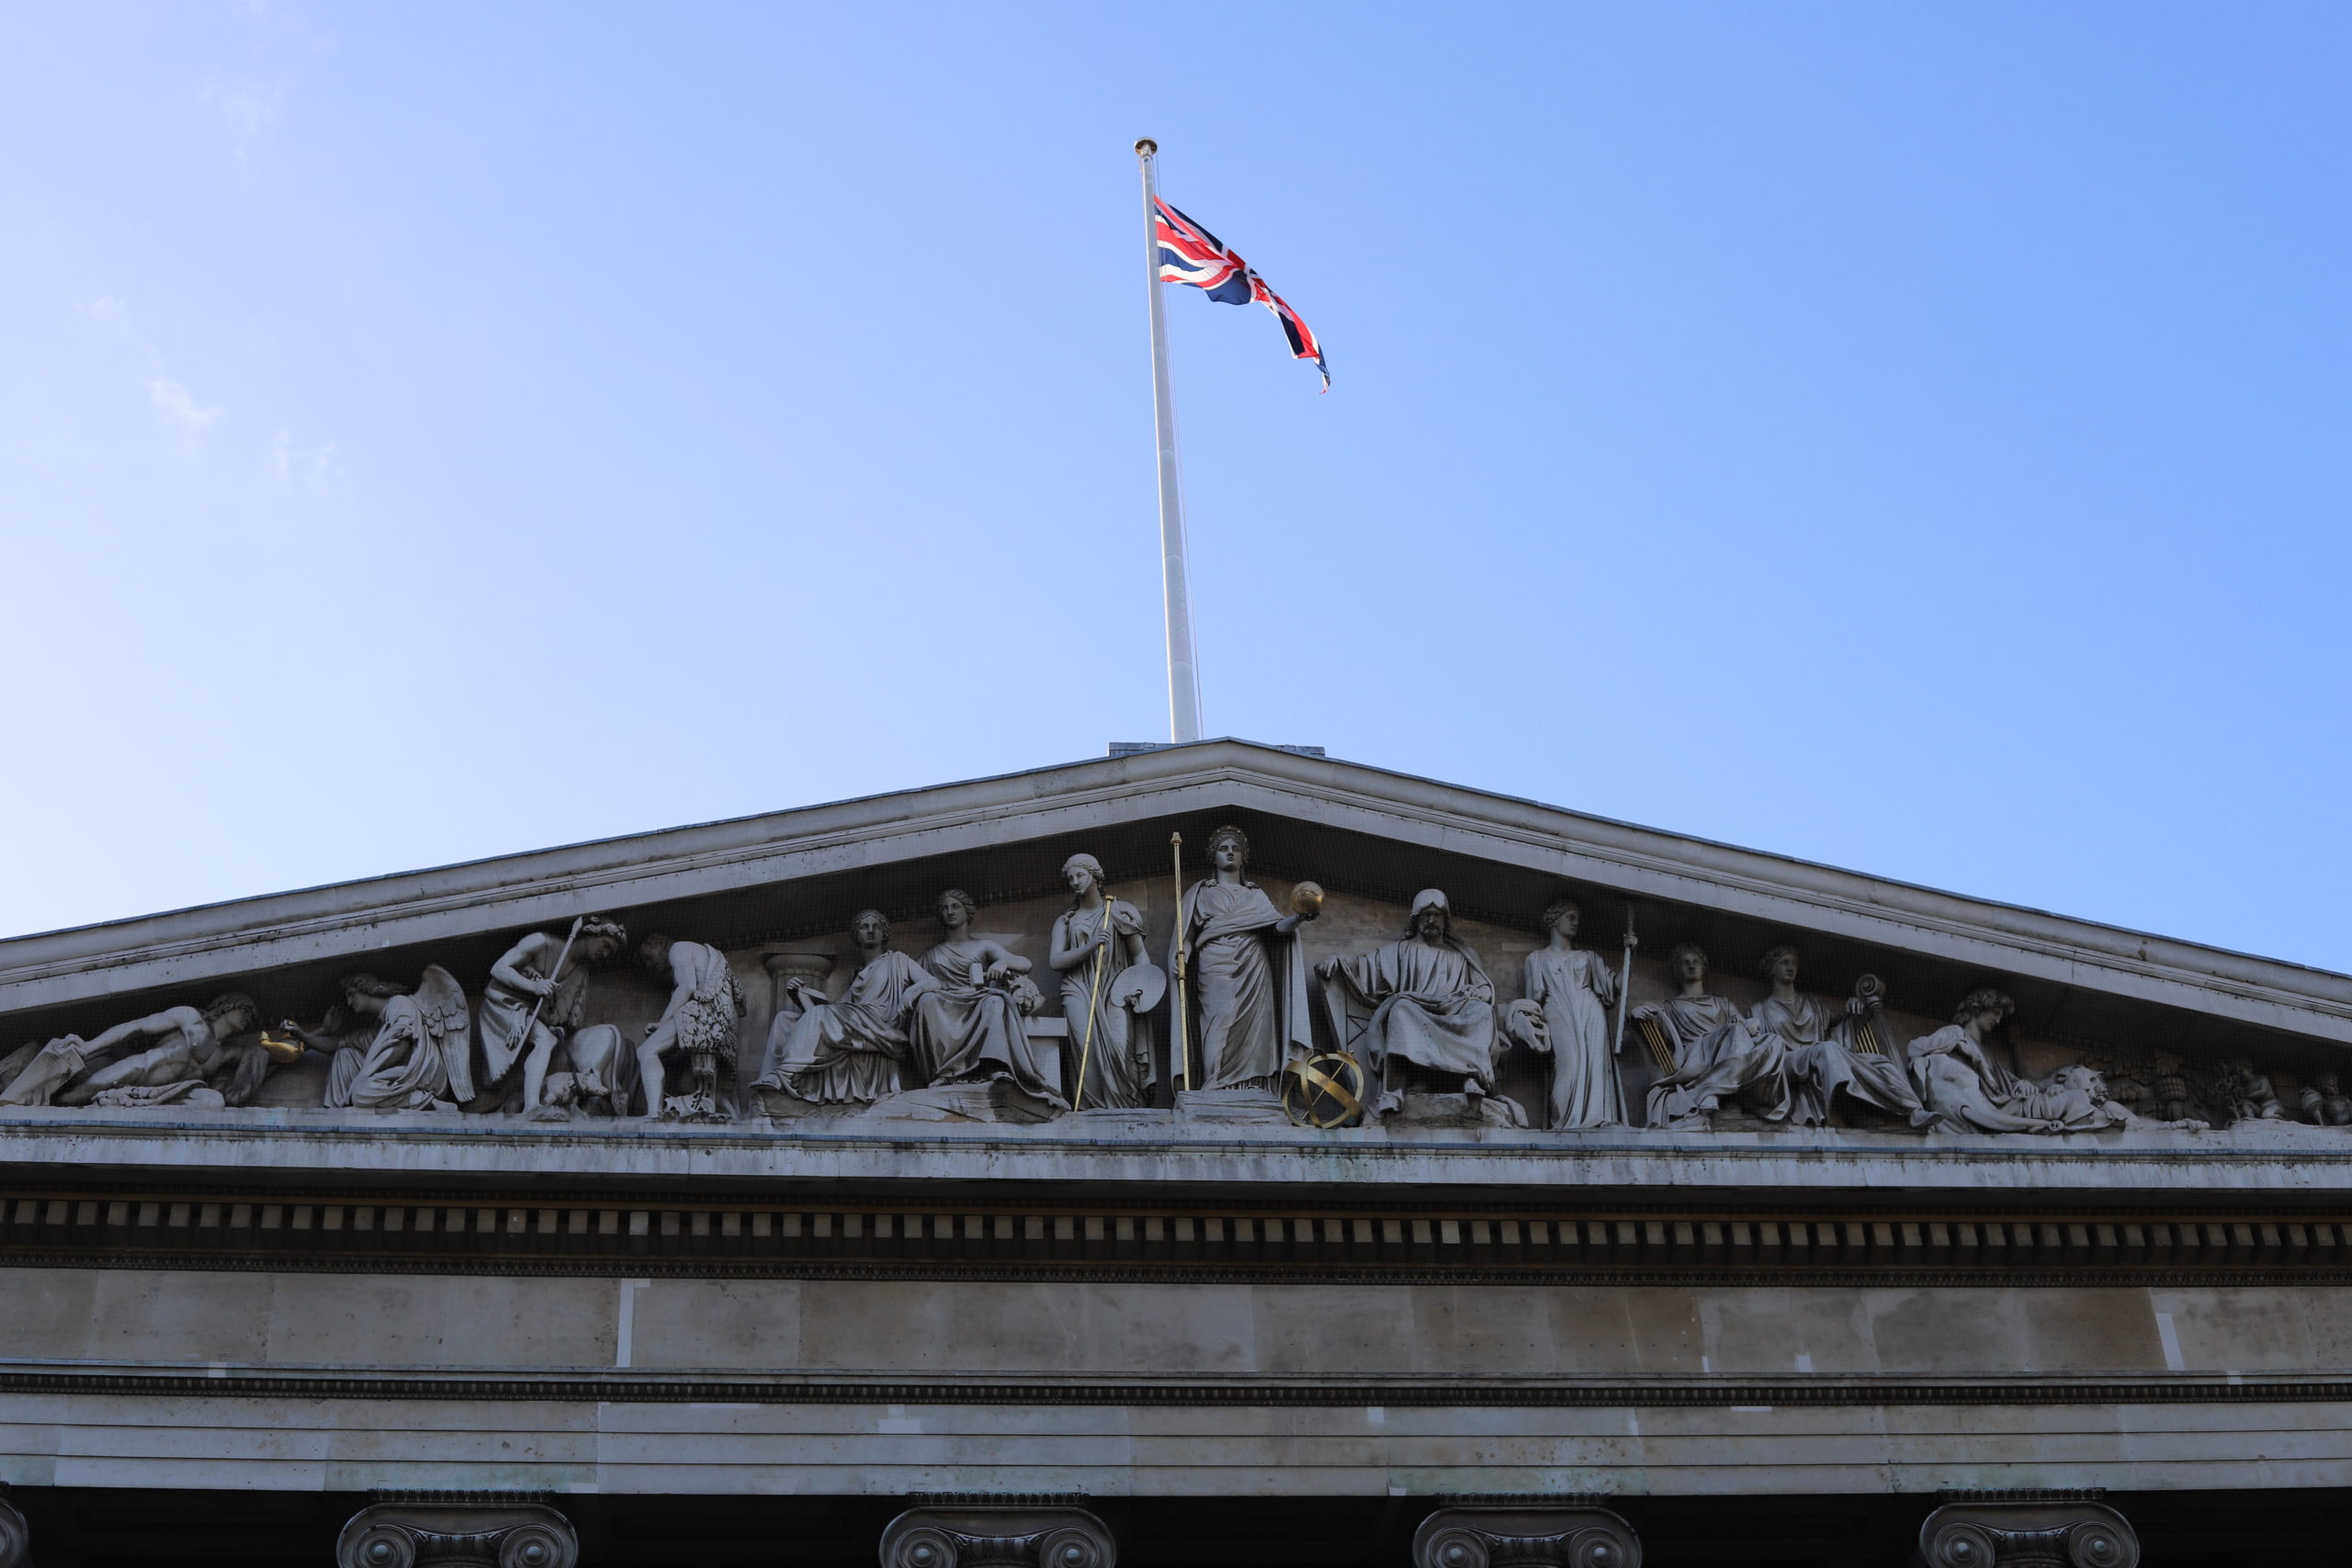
(1257, 1390)
(1161, 1149)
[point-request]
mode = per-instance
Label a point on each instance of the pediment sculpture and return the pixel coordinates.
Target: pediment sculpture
(964, 1029)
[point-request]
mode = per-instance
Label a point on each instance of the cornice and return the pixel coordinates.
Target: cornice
(631, 1388)
(350, 919)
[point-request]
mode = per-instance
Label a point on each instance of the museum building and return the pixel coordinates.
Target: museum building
(1214, 1153)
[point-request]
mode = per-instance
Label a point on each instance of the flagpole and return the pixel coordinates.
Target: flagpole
(1183, 665)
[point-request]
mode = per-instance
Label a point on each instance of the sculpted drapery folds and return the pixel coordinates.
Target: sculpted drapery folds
(187, 1059)
(1572, 991)
(1108, 988)
(1960, 1080)
(1717, 1053)
(1825, 1052)
(970, 1028)
(405, 1066)
(849, 1051)
(1247, 977)
(1432, 1004)
(535, 969)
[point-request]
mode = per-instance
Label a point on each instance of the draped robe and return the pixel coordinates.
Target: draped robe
(1960, 1080)
(1117, 1066)
(1431, 1005)
(403, 1070)
(1717, 1054)
(1575, 989)
(964, 1032)
(1824, 1061)
(849, 1051)
(1250, 1022)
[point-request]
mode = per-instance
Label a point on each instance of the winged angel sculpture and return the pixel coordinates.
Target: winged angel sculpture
(420, 1057)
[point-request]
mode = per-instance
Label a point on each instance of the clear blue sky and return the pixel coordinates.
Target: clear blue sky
(1911, 437)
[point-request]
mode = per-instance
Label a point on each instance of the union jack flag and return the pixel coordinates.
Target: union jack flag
(1190, 254)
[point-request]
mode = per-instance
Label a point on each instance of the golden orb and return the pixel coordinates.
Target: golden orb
(1307, 899)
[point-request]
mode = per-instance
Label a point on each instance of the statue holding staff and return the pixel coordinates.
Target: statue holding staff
(538, 991)
(1246, 974)
(1109, 988)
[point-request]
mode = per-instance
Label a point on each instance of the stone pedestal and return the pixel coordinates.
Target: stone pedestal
(1526, 1535)
(462, 1530)
(2026, 1530)
(998, 1536)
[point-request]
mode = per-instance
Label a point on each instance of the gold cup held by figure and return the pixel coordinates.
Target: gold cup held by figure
(281, 1050)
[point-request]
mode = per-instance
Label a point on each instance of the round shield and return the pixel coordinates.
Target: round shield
(1324, 1091)
(1139, 987)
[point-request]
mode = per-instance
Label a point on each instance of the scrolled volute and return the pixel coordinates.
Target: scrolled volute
(460, 1530)
(1526, 1537)
(962, 1536)
(2028, 1530)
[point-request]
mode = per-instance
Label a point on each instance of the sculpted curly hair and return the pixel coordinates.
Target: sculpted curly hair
(1985, 1000)
(1558, 910)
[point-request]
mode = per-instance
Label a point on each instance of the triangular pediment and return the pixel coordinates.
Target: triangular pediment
(790, 881)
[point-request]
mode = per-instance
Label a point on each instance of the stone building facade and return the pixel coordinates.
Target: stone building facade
(1340, 1198)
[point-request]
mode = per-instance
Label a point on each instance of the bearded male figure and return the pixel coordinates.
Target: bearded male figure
(1432, 1004)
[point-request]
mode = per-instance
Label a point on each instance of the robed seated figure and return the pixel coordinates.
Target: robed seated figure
(854, 1051)
(1834, 1050)
(1433, 1007)
(972, 1026)
(1716, 1051)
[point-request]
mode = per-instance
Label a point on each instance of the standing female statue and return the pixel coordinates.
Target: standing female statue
(970, 1029)
(1098, 940)
(1574, 989)
(1251, 1023)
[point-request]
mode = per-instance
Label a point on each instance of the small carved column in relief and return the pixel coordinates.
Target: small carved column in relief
(475, 1529)
(1526, 1535)
(811, 967)
(1010, 1535)
(2026, 1529)
(16, 1540)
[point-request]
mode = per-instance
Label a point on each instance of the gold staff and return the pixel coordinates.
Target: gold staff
(1183, 1046)
(1093, 1000)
